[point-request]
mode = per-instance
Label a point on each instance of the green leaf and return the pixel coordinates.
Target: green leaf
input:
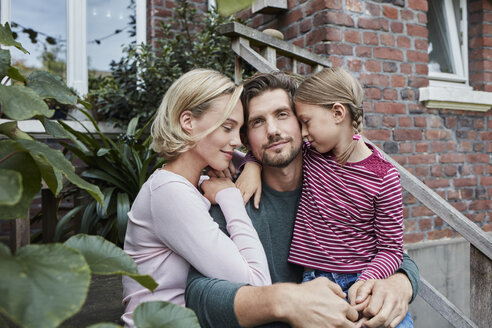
(42, 285)
(15, 158)
(86, 104)
(48, 85)
(106, 258)
(11, 130)
(130, 130)
(58, 161)
(102, 209)
(14, 74)
(158, 314)
(51, 175)
(105, 325)
(7, 39)
(4, 62)
(122, 208)
(10, 187)
(21, 103)
(58, 131)
(63, 221)
(103, 151)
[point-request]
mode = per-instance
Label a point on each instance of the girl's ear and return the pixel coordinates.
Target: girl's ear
(186, 120)
(339, 112)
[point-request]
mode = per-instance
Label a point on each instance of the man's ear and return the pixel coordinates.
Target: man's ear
(339, 112)
(186, 120)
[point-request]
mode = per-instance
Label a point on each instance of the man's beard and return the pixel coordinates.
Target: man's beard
(279, 160)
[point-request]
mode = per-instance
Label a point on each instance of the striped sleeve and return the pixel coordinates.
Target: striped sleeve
(388, 225)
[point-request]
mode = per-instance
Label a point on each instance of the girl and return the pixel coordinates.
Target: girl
(349, 224)
(169, 227)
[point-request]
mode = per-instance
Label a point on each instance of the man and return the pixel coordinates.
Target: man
(274, 136)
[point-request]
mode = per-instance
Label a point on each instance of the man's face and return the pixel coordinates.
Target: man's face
(274, 135)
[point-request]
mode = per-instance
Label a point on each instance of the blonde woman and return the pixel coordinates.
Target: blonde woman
(169, 227)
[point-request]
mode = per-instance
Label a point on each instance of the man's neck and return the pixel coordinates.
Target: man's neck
(284, 179)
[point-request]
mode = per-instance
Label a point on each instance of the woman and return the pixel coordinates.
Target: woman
(169, 228)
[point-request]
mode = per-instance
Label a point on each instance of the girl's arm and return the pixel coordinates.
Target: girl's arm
(388, 225)
(182, 223)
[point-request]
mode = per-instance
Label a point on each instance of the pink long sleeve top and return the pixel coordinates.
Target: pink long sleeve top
(169, 228)
(350, 217)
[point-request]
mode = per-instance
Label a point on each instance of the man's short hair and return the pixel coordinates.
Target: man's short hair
(261, 82)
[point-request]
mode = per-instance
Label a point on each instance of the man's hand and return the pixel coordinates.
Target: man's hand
(318, 303)
(384, 303)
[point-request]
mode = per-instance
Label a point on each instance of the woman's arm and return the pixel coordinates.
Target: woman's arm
(182, 223)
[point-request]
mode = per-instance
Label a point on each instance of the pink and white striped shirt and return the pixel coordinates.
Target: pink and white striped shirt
(350, 217)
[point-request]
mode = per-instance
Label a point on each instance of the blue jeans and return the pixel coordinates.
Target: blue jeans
(345, 280)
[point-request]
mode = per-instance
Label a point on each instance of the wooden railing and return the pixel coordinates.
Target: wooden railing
(261, 50)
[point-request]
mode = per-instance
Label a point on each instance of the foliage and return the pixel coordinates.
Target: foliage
(119, 167)
(140, 79)
(42, 285)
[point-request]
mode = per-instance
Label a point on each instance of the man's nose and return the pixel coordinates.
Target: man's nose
(272, 128)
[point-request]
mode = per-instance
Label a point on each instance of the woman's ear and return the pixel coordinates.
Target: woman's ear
(186, 120)
(339, 112)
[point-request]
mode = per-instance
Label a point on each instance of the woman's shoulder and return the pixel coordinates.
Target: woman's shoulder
(172, 181)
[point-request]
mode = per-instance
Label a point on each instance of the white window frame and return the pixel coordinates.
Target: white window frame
(77, 69)
(453, 91)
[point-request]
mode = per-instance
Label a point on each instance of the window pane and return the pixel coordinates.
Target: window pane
(41, 28)
(109, 29)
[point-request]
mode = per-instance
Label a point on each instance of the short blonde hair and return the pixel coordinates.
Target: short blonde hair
(193, 91)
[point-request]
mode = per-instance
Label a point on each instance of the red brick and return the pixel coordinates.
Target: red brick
(439, 234)
(340, 19)
(417, 56)
(437, 134)
(465, 182)
(421, 147)
(425, 224)
(388, 53)
(354, 5)
(376, 80)
(486, 227)
(422, 159)
(372, 93)
(436, 183)
(421, 69)
(316, 6)
(460, 206)
(390, 94)
(485, 204)
(437, 147)
(451, 145)
(373, 66)
(465, 146)
(397, 27)
(418, 82)
(478, 169)
(354, 65)
(421, 211)
(371, 38)
(407, 15)
(405, 68)
(450, 170)
(467, 193)
(422, 171)
(361, 51)
(389, 121)
(352, 36)
(410, 238)
(417, 30)
(435, 121)
(479, 124)
(436, 171)
(420, 121)
(390, 12)
(388, 40)
(406, 147)
(340, 49)
(487, 135)
(404, 42)
(405, 121)
(389, 108)
(407, 135)
(373, 9)
(293, 16)
(417, 4)
(305, 26)
(373, 24)
(409, 225)
(486, 181)
(377, 134)
(398, 81)
(480, 217)
(452, 158)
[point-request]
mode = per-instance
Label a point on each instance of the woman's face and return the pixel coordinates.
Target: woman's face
(215, 149)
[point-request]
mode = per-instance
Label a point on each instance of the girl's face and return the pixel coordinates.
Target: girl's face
(216, 148)
(319, 126)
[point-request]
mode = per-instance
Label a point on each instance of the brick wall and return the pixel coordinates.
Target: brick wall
(384, 44)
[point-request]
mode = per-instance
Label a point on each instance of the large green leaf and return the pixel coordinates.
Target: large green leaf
(58, 131)
(16, 159)
(21, 103)
(106, 258)
(228, 7)
(42, 285)
(10, 187)
(14, 74)
(50, 174)
(11, 130)
(7, 39)
(160, 314)
(122, 208)
(105, 325)
(55, 158)
(4, 62)
(48, 85)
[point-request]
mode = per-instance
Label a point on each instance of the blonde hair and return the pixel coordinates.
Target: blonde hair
(331, 86)
(193, 91)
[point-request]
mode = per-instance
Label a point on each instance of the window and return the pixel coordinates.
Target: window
(448, 60)
(73, 38)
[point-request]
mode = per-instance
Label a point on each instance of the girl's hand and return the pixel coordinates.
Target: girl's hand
(229, 173)
(249, 183)
(213, 185)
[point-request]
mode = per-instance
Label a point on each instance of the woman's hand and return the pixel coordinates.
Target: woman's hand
(249, 183)
(229, 173)
(213, 185)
